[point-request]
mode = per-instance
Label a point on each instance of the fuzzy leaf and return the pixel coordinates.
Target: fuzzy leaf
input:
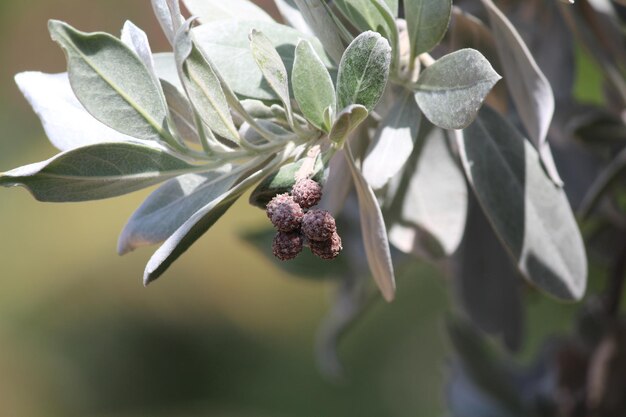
(451, 91)
(529, 213)
(210, 10)
(348, 120)
(137, 40)
(317, 16)
(181, 113)
(97, 171)
(312, 86)
(366, 16)
(292, 16)
(112, 83)
(427, 22)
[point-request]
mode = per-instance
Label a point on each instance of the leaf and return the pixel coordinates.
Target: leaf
(203, 86)
(318, 17)
(112, 83)
(427, 22)
(530, 89)
(169, 17)
(364, 15)
(210, 10)
(374, 233)
(137, 40)
(432, 197)
(292, 16)
(281, 182)
(607, 178)
(393, 144)
(451, 91)
(312, 86)
(167, 208)
(363, 71)
(528, 212)
(166, 69)
(348, 120)
(272, 66)
(181, 113)
(97, 171)
(226, 45)
(66, 122)
(197, 225)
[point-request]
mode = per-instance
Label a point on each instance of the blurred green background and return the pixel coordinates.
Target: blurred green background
(223, 333)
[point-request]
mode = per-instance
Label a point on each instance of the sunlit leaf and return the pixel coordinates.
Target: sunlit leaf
(210, 10)
(427, 22)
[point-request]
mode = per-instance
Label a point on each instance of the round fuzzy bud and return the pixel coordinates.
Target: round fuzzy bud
(328, 249)
(287, 245)
(307, 193)
(285, 214)
(318, 225)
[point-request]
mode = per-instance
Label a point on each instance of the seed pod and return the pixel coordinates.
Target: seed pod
(285, 214)
(318, 225)
(328, 249)
(287, 245)
(306, 193)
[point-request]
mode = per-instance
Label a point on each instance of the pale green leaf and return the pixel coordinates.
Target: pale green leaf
(364, 15)
(210, 10)
(312, 86)
(318, 18)
(97, 171)
(427, 22)
(451, 91)
(291, 15)
(181, 113)
(348, 120)
(530, 214)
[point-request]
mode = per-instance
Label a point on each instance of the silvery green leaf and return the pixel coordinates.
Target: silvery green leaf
(137, 40)
(365, 15)
(348, 120)
(112, 83)
(66, 122)
(530, 214)
(96, 171)
(210, 10)
(181, 112)
(336, 190)
(203, 86)
(393, 144)
(451, 91)
(223, 40)
(363, 71)
(198, 224)
(393, 6)
(170, 205)
(313, 88)
(319, 19)
(165, 67)
(272, 66)
(530, 89)
(257, 109)
(374, 233)
(433, 195)
(291, 15)
(168, 14)
(427, 22)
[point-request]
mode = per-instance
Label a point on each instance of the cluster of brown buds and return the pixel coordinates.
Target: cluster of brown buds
(299, 226)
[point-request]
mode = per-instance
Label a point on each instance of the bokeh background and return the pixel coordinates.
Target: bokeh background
(224, 333)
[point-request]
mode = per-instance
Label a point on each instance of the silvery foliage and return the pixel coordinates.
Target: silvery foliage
(348, 94)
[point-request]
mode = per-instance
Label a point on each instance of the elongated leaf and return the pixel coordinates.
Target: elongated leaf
(181, 113)
(166, 69)
(317, 16)
(167, 208)
(272, 66)
(203, 86)
(363, 71)
(169, 17)
(137, 40)
(112, 83)
(291, 15)
(374, 233)
(348, 120)
(97, 171)
(427, 22)
(210, 10)
(365, 16)
(451, 91)
(607, 178)
(227, 47)
(394, 140)
(312, 86)
(66, 122)
(197, 225)
(529, 213)
(530, 89)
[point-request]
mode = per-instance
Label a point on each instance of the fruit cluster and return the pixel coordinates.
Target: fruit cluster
(298, 226)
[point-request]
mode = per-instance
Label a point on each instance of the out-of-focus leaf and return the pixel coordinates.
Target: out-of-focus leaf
(613, 172)
(317, 16)
(170, 205)
(168, 14)
(312, 86)
(363, 71)
(451, 91)
(365, 15)
(336, 190)
(427, 22)
(112, 83)
(529, 213)
(393, 144)
(374, 233)
(210, 10)
(281, 182)
(272, 67)
(97, 171)
(227, 46)
(291, 15)
(165, 66)
(348, 120)
(66, 122)
(181, 113)
(529, 87)
(202, 85)
(137, 40)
